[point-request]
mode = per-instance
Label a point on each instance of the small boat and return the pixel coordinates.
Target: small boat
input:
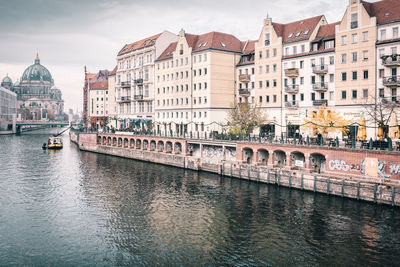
(55, 143)
(44, 146)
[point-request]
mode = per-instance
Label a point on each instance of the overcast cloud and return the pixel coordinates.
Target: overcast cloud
(72, 34)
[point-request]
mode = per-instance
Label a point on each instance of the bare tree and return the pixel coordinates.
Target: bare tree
(381, 109)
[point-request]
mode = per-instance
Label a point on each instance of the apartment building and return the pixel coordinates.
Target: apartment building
(195, 81)
(245, 75)
(135, 79)
(112, 99)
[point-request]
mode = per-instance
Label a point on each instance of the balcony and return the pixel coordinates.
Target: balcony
(391, 100)
(391, 81)
(138, 97)
(292, 89)
(292, 104)
(354, 25)
(126, 84)
(124, 99)
(139, 82)
(318, 103)
(244, 78)
(320, 87)
(292, 72)
(244, 92)
(320, 69)
(391, 61)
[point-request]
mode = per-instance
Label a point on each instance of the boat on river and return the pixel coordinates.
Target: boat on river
(54, 143)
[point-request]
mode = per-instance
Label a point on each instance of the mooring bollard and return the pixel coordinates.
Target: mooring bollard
(268, 176)
(258, 174)
(278, 177)
(315, 183)
(375, 189)
(302, 181)
(342, 188)
(290, 180)
(358, 190)
(248, 173)
(328, 185)
(393, 195)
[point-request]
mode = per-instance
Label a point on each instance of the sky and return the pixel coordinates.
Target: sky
(72, 34)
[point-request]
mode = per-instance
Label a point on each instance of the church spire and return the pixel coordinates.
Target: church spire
(37, 60)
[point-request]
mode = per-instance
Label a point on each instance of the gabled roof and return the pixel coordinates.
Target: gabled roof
(103, 85)
(149, 41)
(90, 75)
(298, 30)
(327, 31)
(248, 46)
(385, 11)
(211, 40)
(114, 71)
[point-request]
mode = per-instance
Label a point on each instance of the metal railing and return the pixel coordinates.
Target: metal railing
(320, 69)
(320, 87)
(320, 102)
(124, 98)
(391, 60)
(391, 81)
(292, 89)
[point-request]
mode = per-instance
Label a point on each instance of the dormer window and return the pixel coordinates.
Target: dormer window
(200, 45)
(205, 44)
(306, 32)
(298, 34)
(290, 35)
(223, 45)
(387, 15)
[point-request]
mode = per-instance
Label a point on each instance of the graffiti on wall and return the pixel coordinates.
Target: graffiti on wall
(369, 166)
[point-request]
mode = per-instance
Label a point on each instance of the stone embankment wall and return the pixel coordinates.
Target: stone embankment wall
(367, 190)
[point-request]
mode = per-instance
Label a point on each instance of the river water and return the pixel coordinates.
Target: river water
(73, 208)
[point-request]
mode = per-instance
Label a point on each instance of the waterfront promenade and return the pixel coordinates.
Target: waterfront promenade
(363, 174)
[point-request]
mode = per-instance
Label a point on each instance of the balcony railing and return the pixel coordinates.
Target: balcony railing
(354, 24)
(321, 102)
(391, 99)
(292, 89)
(244, 78)
(124, 98)
(244, 92)
(391, 81)
(391, 61)
(320, 69)
(292, 72)
(139, 81)
(292, 104)
(138, 97)
(320, 87)
(126, 84)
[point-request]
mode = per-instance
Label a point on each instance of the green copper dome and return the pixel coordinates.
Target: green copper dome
(36, 72)
(6, 81)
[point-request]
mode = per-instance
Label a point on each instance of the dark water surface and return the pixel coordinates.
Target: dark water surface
(72, 208)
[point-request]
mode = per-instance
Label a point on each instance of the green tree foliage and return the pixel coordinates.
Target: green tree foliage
(244, 118)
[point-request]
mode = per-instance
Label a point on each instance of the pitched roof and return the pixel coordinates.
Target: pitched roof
(103, 85)
(149, 41)
(114, 71)
(385, 11)
(90, 75)
(211, 40)
(168, 52)
(327, 31)
(298, 30)
(248, 46)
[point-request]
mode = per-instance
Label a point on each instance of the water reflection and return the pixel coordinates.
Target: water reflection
(79, 208)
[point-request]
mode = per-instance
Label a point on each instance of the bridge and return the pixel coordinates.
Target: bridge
(31, 125)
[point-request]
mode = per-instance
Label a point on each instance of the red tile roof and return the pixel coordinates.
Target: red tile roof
(249, 46)
(114, 71)
(292, 29)
(385, 11)
(327, 31)
(168, 52)
(90, 75)
(98, 85)
(211, 40)
(139, 44)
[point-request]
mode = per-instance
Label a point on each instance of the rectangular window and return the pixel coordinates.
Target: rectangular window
(354, 75)
(365, 74)
(312, 96)
(331, 60)
(301, 80)
(331, 78)
(383, 34)
(344, 76)
(267, 98)
(343, 94)
(260, 54)
(260, 99)
(267, 53)
(381, 92)
(365, 36)
(365, 55)
(301, 97)
(344, 58)
(354, 38)
(301, 64)
(260, 84)
(365, 93)
(381, 73)
(344, 40)
(354, 94)
(274, 97)
(303, 48)
(395, 32)
(274, 83)
(267, 84)
(275, 52)
(354, 56)
(274, 67)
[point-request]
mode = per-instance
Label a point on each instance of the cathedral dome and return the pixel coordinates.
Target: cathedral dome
(36, 72)
(6, 81)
